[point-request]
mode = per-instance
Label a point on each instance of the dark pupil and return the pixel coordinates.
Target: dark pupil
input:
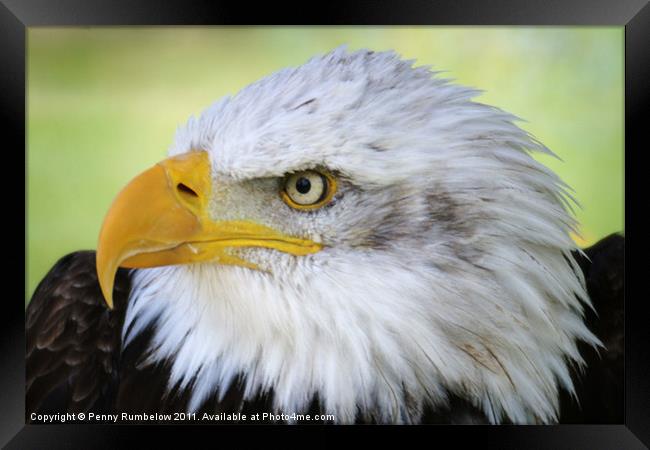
(303, 185)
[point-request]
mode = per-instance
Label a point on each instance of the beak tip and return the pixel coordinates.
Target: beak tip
(108, 296)
(105, 284)
(109, 302)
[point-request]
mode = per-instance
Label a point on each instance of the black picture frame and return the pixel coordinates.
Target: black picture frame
(634, 15)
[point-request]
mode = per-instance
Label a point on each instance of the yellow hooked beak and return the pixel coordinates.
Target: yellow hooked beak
(161, 218)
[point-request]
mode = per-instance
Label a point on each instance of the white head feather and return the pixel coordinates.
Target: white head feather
(447, 265)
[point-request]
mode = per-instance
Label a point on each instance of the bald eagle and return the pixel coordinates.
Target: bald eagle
(354, 237)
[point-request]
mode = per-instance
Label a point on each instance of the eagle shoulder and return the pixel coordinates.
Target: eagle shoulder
(73, 339)
(599, 387)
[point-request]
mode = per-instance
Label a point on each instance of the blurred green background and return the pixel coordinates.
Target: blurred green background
(103, 104)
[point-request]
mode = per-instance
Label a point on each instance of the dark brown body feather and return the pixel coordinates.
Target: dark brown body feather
(75, 362)
(600, 390)
(73, 339)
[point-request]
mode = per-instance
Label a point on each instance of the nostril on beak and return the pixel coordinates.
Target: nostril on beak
(186, 190)
(188, 196)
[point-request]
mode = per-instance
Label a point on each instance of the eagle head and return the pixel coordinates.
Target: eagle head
(357, 230)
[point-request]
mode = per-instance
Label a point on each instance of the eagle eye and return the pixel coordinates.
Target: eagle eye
(308, 189)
